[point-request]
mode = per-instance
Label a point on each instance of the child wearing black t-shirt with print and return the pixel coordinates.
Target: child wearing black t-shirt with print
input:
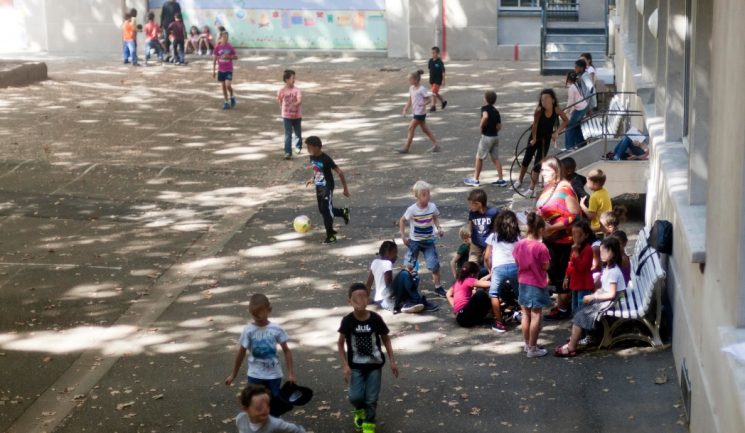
(490, 125)
(323, 179)
(436, 78)
(362, 331)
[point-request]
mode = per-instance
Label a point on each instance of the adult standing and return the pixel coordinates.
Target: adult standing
(559, 207)
(167, 16)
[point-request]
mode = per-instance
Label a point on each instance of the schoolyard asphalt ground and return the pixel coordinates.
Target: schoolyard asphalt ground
(138, 217)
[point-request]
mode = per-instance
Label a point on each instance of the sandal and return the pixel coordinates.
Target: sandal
(564, 352)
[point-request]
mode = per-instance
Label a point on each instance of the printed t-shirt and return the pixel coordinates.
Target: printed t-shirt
(290, 97)
(531, 256)
(481, 224)
(224, 65)
(599, 202)
(436, 70)
(363, 341)
(261, 344)
(494, 119)
(322, 175)
(152, 31)
(128, 31)
(421, 222)
(378, 268)
(612, 275)
(419, 97)
(462, 291)
(501, 252)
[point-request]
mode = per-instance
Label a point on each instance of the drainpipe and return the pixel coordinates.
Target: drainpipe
(444, 46)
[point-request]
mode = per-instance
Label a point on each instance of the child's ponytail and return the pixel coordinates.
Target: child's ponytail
(469, 270)
(535, 224)
(417, 75)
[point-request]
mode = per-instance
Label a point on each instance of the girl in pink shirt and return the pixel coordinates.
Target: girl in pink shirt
(290, 98)
(470, 305)
(532, 258)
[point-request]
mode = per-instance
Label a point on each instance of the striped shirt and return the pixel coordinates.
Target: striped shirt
(555, 210)
(421, 222)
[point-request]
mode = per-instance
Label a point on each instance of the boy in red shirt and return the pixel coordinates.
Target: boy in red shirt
(152, 33)
(223, 61)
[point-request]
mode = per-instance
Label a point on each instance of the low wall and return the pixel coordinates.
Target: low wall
(16, 74)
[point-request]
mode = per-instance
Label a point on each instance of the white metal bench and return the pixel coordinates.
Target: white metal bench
(600, 126)
(642, 301)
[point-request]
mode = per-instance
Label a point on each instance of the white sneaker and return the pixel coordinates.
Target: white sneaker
(516, 184)
(529, 193)
(536, 352)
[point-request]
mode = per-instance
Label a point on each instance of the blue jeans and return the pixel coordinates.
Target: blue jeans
(500, 275)
(573, 135)
(178, 52)
(619, 153)
(577, 296)
(272, 384)
(155, 45)
(129, 52)
(290, 125)
(405, 288)
(430, 254)
(364, 388)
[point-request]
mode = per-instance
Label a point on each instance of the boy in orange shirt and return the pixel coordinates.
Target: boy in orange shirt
(129, 35)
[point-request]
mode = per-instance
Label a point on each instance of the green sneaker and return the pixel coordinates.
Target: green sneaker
(346, 215)
(330, 239)
(368, 427)
(359, 418)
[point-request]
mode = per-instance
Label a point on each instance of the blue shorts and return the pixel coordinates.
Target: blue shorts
(273, 385)
(533, 297)
(420, 117)
(430, 254)
(225, 76)
(499, 277)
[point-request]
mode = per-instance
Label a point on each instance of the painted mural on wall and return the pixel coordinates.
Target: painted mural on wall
(291, 24)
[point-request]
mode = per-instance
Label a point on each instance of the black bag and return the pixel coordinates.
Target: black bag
(661, 237)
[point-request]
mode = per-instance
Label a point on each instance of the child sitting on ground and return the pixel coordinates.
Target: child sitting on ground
(598, 302)
(260, 340)
(193, 41)
(480, 217)
(400, 294)
(599, 200)
(491, 124)
(255, 418)
(423, 219)
(470, 305)
(363, 331)
(461, 255)
(499, 260)
(205, 42)
(533, 259)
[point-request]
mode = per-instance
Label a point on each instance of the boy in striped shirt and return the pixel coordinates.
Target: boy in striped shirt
(423, 219)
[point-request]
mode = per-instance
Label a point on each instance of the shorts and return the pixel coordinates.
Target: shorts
(533, 297)
(420, 117)
(225, 76)
(475, 253)
(430, 254)
(500, 276)
(273, 385)
(488, 146)
(436, 87)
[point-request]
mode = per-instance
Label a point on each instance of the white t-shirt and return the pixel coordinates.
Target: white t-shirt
(272, 425)
(379, 267)
(419, 97)
(612, 275)
(501, 252)
(636, 136)
(261, 344)
(421, 222)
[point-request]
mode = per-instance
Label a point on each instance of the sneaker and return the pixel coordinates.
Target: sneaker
(471, 181)
(440, 291)
(444, 104)
(587, 341)
(435, 149)
(359, 419)
(517, 316)
(368, 427)
(557, 314)
(498, 326)
(516, 185)
(410, 307)
(330, 239)
(226, 105)
(232, 101)
(298, 149)
(500, 182)
(529, 193)
(402, 151)
(345, 215)
(428, 306)
(288, 155)
(536, 352)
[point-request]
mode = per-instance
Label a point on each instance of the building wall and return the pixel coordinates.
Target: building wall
(706, 280)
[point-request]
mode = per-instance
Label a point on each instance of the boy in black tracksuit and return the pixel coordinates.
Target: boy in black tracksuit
(323, 178)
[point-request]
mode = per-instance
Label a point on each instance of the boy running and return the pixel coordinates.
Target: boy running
(323, 179)
(436, 78)
(224, 55)
(491, 124)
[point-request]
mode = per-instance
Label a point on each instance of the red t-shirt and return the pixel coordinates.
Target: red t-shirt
(152, 31)
(579, 270)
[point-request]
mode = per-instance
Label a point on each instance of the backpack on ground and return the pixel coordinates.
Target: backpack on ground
(660, 241)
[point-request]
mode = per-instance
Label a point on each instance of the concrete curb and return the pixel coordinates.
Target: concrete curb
(16, 74)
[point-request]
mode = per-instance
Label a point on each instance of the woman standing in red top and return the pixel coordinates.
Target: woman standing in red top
(559, 207)
(578, 277)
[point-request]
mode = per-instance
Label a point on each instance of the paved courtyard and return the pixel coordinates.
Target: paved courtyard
(138, 217)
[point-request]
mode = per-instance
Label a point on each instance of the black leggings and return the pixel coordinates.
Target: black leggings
(327, 209)
(475, 311)
(560, 254)
(539, 150)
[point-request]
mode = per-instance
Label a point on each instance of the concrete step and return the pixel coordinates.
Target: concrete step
(576, 46)
(576, 38)
(624, 177)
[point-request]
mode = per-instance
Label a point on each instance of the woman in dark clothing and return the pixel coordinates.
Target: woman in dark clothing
(167, 16)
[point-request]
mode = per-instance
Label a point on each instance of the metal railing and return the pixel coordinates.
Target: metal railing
(562, 10)
(522, 142)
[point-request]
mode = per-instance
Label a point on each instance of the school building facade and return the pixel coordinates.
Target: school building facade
(686, 60)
